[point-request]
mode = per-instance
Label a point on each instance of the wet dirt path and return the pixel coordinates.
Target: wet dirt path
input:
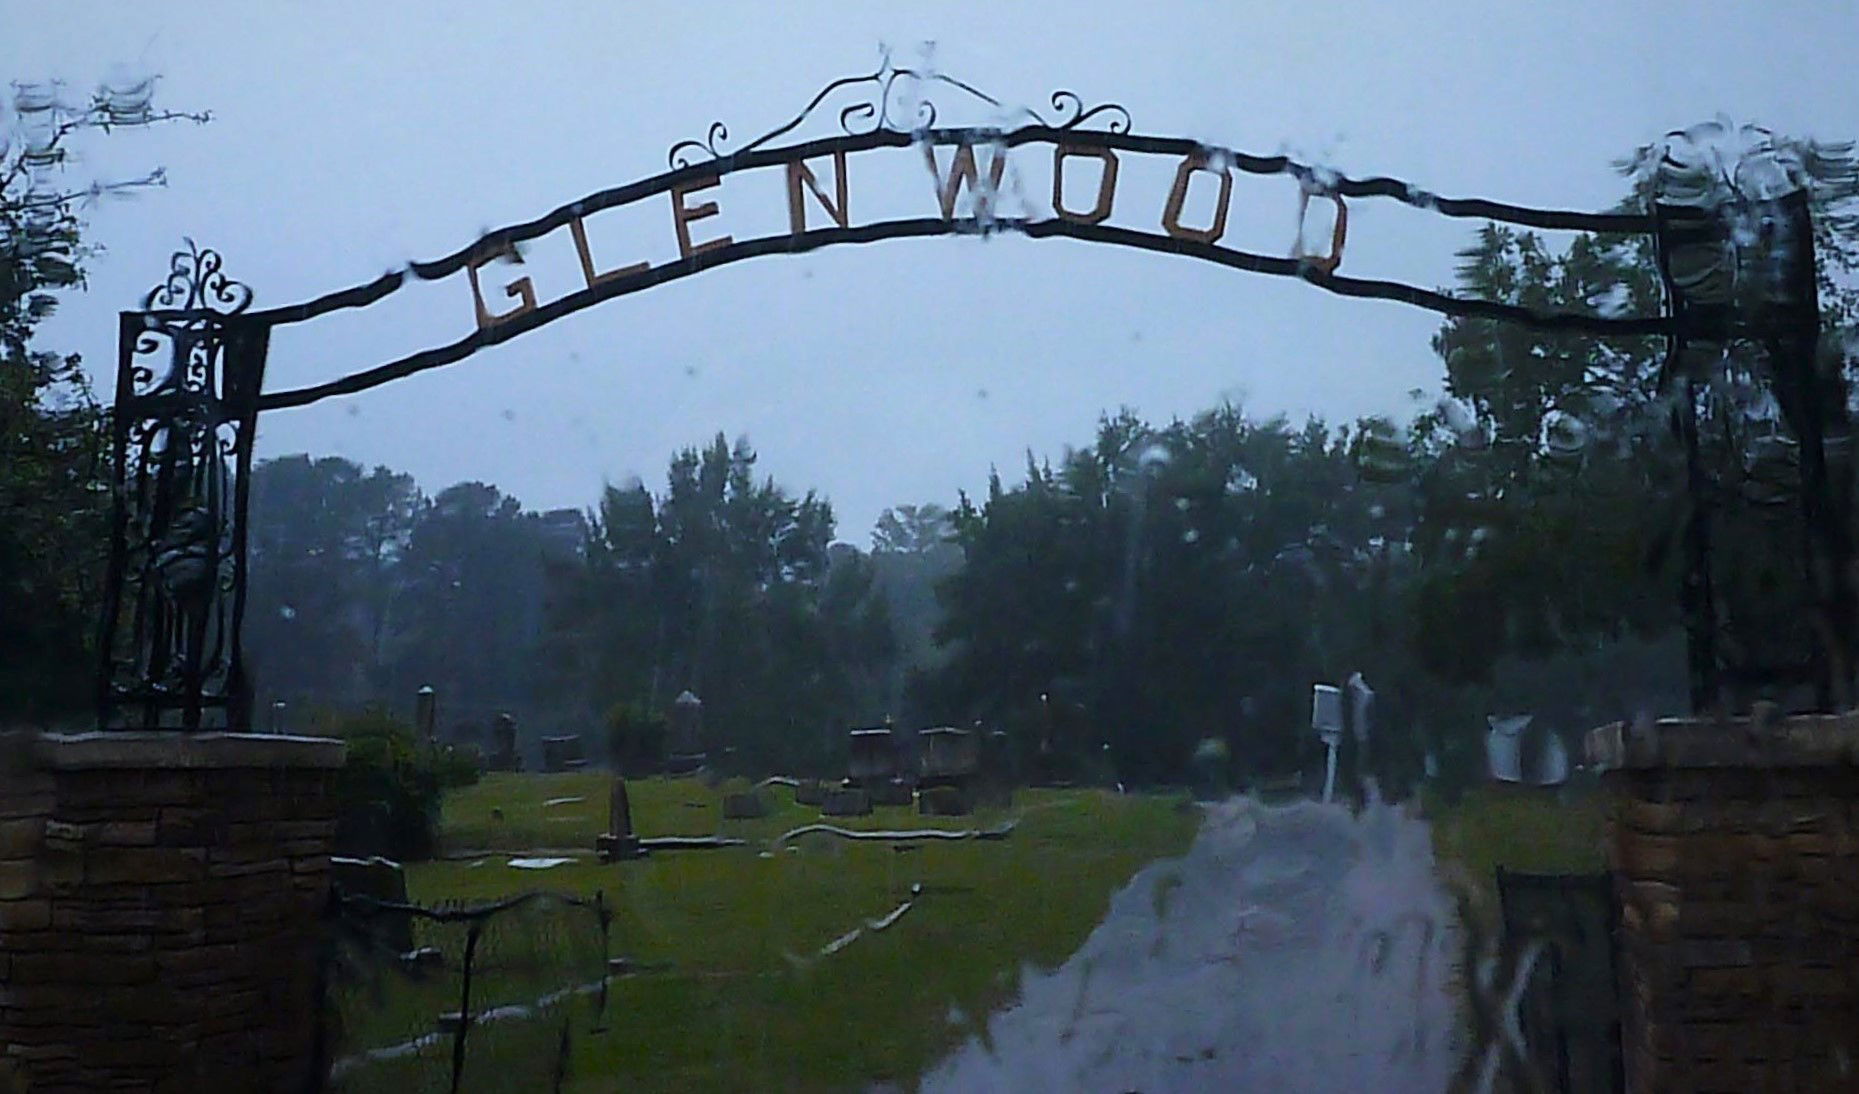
(1293, 948)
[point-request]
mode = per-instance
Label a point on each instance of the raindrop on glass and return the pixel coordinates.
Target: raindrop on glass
(125, 95)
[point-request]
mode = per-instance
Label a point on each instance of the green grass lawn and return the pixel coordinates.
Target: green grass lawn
(1517, 829)
(739, 998)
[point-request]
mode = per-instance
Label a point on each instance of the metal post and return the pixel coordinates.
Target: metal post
(603, 916)
(464, 1005)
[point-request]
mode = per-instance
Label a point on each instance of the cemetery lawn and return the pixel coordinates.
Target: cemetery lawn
(737, 995)
(1516, 829)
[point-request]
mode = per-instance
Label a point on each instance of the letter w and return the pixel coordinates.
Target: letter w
(962, 171)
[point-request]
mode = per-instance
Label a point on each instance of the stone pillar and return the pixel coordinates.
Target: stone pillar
(1735, 851)
(160, 897)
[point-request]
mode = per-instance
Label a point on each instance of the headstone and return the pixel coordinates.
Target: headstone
(1523, 751)
(562, 753)
(809, 792)
(947, 755)
(425, 712)
(891, 792)
(872, 755)
(1552, 760)
(1361, 705)
(997, 759)
(619, 841)
(611, 848)
(750, 806)
(849, 801)
(944, 801)
(503, 755)
(379, 879)
(1356, 752)
(619, 809)
(678, 764)
(1504, 746)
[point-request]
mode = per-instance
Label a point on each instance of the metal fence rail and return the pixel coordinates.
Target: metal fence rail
(486, 997)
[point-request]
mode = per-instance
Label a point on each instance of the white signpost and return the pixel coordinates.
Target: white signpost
(1326, 717)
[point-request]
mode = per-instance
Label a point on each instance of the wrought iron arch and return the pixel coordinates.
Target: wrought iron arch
(191, 361)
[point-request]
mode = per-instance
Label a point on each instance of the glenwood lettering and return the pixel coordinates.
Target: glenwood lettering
(695, 208)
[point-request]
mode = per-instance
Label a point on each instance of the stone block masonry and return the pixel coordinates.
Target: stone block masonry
(1735, 851)
(160, 902)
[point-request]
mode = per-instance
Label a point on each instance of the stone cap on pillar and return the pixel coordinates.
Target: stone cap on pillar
(1759, 741)
(160, 749)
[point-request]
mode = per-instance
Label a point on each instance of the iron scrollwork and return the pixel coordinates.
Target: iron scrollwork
(197, 281)
(903, 99)
(189, 372)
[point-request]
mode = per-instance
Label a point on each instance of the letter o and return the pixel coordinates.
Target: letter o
(1171, 215)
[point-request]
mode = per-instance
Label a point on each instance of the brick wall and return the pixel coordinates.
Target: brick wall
(1735, 849)
(159, 900)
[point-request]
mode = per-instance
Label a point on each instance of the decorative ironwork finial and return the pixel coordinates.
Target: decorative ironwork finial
(911, 109)
(196, 282)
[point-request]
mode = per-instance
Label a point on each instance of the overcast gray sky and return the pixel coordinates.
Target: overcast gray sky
(350, 138)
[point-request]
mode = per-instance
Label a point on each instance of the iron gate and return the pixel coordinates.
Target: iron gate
(1570, 1009)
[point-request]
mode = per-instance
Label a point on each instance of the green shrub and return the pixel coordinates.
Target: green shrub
(458, 766)
(388, 793)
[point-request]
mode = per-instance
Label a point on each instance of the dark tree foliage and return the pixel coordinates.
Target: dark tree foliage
(1167, 586)
(468, 606)
(54, 451)
(724, 585)
(53, 492)
(326, 540)
(1545, 481)
(913, 551)
(364, 590)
